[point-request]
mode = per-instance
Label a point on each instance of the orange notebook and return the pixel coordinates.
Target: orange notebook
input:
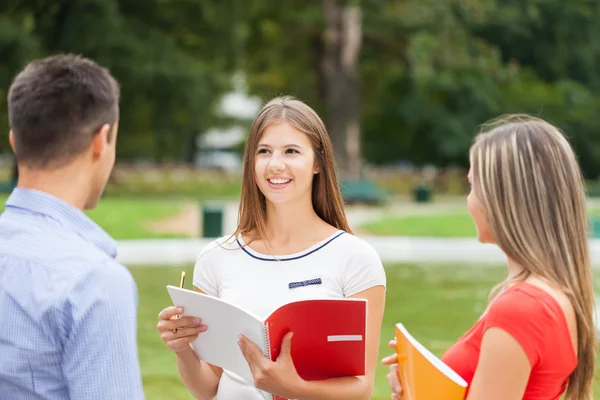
(424, 376)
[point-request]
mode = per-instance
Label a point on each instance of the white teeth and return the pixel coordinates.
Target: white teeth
(279, 181)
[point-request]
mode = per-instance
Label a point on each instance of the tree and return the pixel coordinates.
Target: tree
(173, 59)
(313, 53)
(338, 71)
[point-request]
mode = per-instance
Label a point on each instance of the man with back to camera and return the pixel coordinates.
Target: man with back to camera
(68, 308)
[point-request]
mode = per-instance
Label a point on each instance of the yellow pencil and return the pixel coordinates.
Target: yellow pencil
(181, 282)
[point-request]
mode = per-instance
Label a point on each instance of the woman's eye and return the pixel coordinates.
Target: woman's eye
(262, 151)
(292, 151)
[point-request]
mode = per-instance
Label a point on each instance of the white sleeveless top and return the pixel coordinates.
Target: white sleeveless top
(259, 283)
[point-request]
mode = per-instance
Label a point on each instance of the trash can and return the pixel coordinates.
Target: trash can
(212, 221)
(422, 194)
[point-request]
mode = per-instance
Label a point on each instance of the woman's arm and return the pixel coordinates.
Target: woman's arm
(280, 377)
(503, 368)
(200, 378)
(502, 371)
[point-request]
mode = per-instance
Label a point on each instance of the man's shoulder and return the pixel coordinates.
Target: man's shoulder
(63, 257)
(39, 242)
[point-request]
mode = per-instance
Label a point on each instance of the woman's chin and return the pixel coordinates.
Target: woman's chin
(278, 200)
(485, 239)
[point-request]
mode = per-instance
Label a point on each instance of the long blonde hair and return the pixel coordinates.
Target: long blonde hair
(531, 189)
(326, 196)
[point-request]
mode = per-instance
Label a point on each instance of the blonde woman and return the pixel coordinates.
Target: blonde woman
(292, 227)
(536, 340)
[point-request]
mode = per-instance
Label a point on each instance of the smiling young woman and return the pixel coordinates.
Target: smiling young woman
(292, 227)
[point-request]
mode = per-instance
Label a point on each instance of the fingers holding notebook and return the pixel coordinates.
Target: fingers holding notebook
(393, 358)
(394, 382)
(178, 332)
(277, 377)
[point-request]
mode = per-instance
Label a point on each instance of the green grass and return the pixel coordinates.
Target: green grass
(449, 225)
(457, 224)
(436, 303)
(126, 218)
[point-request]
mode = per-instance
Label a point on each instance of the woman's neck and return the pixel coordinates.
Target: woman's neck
(514, 269)
(289, 222)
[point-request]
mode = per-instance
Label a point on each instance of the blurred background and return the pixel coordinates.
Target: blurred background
(403, 86)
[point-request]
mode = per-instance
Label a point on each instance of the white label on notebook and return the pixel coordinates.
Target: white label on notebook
(344, 338)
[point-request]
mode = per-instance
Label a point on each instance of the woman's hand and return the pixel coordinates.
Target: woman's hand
(392, 376)
(178, 333)
(276, 377)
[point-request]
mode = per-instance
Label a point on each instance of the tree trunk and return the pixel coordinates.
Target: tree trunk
(342, 41)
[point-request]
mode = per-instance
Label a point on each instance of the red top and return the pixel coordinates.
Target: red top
(534, 319)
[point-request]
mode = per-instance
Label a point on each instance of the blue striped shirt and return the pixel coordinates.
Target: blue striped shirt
(67, 308)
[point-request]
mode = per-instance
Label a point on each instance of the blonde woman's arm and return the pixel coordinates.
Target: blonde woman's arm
(503, 368)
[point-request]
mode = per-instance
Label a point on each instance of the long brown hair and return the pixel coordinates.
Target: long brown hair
(326, 197)
(531, 189)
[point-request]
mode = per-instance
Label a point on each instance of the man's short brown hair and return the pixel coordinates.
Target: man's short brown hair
(56, 105)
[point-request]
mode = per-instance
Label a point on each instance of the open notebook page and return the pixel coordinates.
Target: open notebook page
(218, 345)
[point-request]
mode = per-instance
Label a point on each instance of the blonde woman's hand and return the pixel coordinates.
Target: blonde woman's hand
(392, 376)
(178, 333)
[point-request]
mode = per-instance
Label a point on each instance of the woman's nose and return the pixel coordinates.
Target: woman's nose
(276, 164)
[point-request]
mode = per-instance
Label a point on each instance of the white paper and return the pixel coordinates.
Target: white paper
(219, 344)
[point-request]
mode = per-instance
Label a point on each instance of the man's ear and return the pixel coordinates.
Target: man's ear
(11, 139)
(100, 141)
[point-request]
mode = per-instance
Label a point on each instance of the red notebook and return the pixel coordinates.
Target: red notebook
(328, 342)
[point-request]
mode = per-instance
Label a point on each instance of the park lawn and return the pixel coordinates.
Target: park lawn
(450, 225)
(437, 303)
(127, 218)
(456, 224)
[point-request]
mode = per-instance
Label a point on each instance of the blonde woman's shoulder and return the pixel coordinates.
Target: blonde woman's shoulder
(563, 301)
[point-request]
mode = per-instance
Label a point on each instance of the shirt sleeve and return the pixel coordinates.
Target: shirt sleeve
(524, 318)
(205, 275)
(364, 269)
(100, 336)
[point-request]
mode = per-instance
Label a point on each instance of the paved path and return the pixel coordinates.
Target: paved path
(162, 252)
(390, 249)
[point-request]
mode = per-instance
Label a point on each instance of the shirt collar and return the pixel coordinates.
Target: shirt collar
(65, 214)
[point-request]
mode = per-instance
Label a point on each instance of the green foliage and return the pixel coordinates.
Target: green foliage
(172, 58)
(179, 183)
(431, 71)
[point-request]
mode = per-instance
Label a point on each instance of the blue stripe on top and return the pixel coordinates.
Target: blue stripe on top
(68, 308)
(289, 258)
